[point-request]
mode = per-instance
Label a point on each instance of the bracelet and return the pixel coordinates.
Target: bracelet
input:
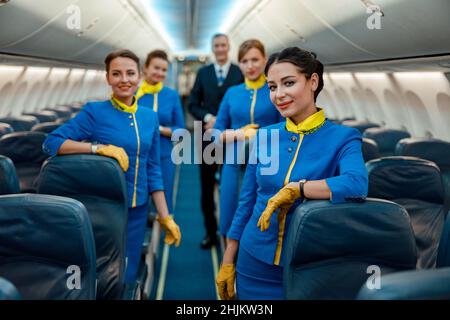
(302, 186)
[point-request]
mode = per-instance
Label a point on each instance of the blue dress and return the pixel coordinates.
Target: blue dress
(138, 134)
(170, 114)
(333, 152)
(235, 111)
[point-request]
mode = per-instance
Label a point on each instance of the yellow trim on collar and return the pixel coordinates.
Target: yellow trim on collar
(119, 105)
(147, 88)
(307, 126)
(258, 83)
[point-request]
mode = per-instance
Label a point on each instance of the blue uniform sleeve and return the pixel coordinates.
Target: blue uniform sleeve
(352, 181)
(78, 129)
(223, 120)
(247, 200)
(154, 175)
(177, 115)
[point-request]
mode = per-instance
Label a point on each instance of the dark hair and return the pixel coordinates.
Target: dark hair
(250, 44)
(217, 35)
(124, 53)
(304, 60)
(156, 54)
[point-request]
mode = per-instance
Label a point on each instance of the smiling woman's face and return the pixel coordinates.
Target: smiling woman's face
(290, 91)
(123, 77)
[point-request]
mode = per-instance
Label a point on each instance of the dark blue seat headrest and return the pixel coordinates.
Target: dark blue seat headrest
(377, 231)
(61, 111)
(405, 177)
(20, 123)
(42, 236)
(8, 291)
(5, 128)
(360, 125)
(9, 183)
(23, 147)
(411, 285)
(370, 149)
(77, 108)
(46, 127)
(44, 115)
(72, 174)
(386, 139)
(431, 149)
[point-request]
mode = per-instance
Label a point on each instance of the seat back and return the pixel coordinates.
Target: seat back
(360, 125)
(20, 123)
(8, 291)
(46, 127)
(416, 185)
(9, 183)
(47, 247)
(5, 128)
(44, 115)
(386, 139)
(61, 111)
(99, 183)
(330, 247)
(431, 149)
(369, 149)
(25, 150)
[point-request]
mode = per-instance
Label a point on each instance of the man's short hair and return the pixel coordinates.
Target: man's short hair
(217, 35)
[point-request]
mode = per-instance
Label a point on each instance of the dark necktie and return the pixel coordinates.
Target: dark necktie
(220, 79)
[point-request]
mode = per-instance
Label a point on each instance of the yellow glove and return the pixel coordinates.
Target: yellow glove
(173, 234)
(117, 153)
(283, 199)
(249, 130)
(225, 281)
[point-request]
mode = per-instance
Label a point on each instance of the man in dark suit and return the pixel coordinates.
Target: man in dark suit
(210, 86)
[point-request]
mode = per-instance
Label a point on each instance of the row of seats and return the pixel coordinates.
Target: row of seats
(81, 197)
(332, 250)
(30, 121)
(21, 140)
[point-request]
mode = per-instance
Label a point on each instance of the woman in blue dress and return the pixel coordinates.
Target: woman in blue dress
(119, 128)
(167, 104)
(317, 159)
(243, 109)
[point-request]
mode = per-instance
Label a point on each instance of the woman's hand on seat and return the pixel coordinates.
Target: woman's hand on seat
(116, 153)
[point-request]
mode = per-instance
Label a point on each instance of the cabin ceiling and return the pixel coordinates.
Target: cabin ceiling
(336, 30)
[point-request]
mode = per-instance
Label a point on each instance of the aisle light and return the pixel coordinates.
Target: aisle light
(158, 26)
(419, 75)
(7, 68)
(236, 12)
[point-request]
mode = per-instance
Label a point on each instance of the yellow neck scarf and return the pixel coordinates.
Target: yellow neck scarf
(147, 88)
(119, 105)
(307, 126)
(258, 83)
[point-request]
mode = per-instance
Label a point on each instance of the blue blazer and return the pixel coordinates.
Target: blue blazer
(100, 122)
(170, 114)
(206, 94)
(333, 153)
(234, 110)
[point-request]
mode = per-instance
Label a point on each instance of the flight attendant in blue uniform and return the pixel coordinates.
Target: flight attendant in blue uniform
(167, 104)
(244, 108)
(120, 129)
(317, 160)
